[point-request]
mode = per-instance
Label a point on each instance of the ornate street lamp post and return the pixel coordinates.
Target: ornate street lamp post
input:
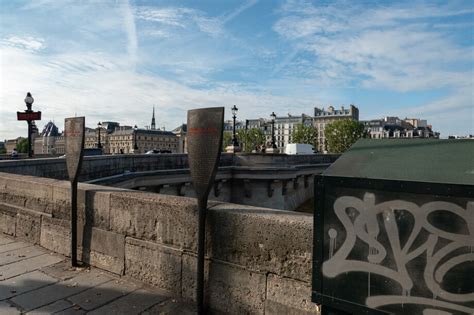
(135, 146)
(29, 102)
(99, 145)
(272, 117)
(29, 115)
(235, 143)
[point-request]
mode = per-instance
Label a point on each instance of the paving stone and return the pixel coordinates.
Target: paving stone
(13, 246)
(64, 270)
(102, 294)
(134, 303)
(7, 309)
(27, 265)
(72, 311)
(24, 283)
(171, 307)
(59, 290)
(51, 308)
(5, 240)
(19, 254)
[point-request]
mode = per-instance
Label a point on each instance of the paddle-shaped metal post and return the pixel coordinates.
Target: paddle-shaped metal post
(205, 127)
(74, 143)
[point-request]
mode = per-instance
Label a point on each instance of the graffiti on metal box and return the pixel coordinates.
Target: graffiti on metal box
(412, 255)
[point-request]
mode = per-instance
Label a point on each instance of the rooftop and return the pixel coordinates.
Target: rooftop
(417, 160)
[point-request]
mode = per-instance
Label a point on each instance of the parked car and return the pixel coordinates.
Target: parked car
(154, 151)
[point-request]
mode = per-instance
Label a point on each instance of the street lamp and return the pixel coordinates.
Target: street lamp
(135, 146)
(30, 116)
(272, 117)
(29, 102)
(99, 145)
(235, 143)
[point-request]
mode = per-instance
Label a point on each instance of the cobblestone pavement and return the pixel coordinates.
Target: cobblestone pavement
(35, 281)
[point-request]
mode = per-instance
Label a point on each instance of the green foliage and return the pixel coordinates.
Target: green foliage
(3, 150)
(305, 134)
(341, 134)
(251, 139)
(226, 140)
(22, 146)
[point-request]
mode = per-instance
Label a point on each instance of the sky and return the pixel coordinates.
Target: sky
(116, 60)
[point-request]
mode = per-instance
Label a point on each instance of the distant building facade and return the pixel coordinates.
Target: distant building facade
(181, 133)
(285, 126)
(49, 141)
(229, 125)
(394, 127)
(123, 140)
(323, 117)
(12, 144)
(114, 139)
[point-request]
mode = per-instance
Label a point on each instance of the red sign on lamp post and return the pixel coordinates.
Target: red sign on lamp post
(28, 116)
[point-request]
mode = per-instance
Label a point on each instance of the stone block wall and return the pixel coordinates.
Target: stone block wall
(102, 165)
(258, 260)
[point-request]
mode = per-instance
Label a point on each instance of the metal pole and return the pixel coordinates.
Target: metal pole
(99, 145)
(135, 147)
(202, 205)
(234, 139)
(273, 134)
(29, 139)
(74, 223)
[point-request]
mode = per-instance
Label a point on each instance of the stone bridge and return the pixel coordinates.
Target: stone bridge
(272, 181)
(258, 259)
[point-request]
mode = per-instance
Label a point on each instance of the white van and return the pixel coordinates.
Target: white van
(299, 148)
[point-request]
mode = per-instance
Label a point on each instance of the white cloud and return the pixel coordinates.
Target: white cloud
(155, 33)
(182, 17)
(130, 29)
(384, 47)
(168, 16)
(101, 72)
(101, 87)
(233, 14)
(404, 47)
(28, 42)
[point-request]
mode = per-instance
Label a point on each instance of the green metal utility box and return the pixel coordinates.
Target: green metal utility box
(394, 229)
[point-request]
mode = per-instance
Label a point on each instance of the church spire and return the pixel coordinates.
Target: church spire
(153, 124)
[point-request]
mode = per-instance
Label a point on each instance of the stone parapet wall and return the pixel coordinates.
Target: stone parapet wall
(258, 259)
(94, 167)
(101, 166)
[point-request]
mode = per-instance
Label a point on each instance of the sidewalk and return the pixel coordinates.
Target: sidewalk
(35, 281)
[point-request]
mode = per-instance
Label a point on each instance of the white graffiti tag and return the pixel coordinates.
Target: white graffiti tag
(362, 223)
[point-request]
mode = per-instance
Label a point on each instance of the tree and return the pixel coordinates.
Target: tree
(341, 134)
(22, 146)
(226, 140)
(305, 134)
(251, 139)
